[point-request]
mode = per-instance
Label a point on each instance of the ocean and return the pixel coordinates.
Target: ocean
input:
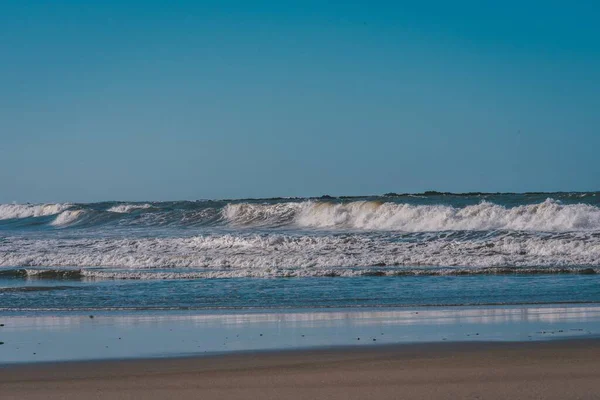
(397, 250)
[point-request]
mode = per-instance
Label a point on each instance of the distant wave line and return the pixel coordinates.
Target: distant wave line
(546, 216)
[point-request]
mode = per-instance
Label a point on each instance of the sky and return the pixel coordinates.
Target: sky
(157, 100)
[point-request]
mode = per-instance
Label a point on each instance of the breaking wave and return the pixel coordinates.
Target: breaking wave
(67, 217)
(367, 215)
(149, 274)
(41, 273)
(289, 238)
(126, 208)
(548, 216)
(247, 214)
(16, 211)
(281, 255)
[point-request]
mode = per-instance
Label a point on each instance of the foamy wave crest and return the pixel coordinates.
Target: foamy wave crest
(548, 216)
(127, 208)
(15, 211)
(67, 217)
(52, 274)
(262, 214)
(275, 255)
(146, 274)
(328, 272)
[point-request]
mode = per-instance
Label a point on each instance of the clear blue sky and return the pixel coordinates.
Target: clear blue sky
(146, 100)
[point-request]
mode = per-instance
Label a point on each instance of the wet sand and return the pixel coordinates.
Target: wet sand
(113, 335)
(560, 369)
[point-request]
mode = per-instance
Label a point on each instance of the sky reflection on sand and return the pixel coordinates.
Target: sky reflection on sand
(60, 337)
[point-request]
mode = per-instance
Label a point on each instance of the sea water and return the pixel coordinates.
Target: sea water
(430, 249)
(146, 279)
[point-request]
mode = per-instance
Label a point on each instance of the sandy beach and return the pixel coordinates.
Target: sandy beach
(561, 369)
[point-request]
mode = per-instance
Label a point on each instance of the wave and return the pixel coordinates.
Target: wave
(67, 217)
(248, 214)
(548, 216)
(127, 208)
(26, 289)
(366, 215)
(41, 273)
(98, 274)
(178, 214)
(332, 273)
(267, 255)
(17, 211)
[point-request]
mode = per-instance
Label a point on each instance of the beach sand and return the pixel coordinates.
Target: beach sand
(560, 369)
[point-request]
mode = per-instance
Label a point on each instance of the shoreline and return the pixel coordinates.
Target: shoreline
(376, 348)
(113, 335)
(557, 369)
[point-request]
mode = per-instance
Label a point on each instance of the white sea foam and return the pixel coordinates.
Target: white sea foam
(263, 214)
(127, 208)
(67, 217)
(15, 211)
(549, 216)
(319, 239)
(277, 255)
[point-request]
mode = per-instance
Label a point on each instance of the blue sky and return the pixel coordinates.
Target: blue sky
(131, 100)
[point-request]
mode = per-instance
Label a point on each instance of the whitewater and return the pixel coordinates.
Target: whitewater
(393, 250)
(371, 236)
(549, 215)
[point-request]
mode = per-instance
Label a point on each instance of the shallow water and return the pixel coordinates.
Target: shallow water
(117, 335)
(253, 293)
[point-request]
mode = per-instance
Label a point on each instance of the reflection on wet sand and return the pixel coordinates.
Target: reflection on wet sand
(46, 337)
